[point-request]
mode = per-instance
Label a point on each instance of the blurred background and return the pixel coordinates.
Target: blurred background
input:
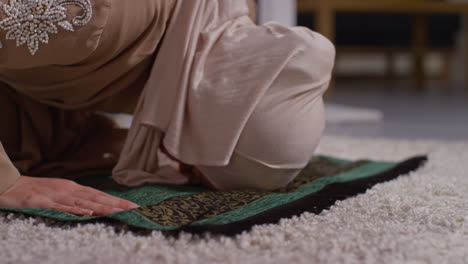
(401, 64)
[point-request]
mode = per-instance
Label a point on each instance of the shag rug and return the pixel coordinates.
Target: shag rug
(419, 218)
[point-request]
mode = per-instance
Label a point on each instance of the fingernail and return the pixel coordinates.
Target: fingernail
(88, 212)
(134, 206)
(116, 210)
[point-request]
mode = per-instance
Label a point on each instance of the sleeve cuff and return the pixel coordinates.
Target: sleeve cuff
(8, 173)
(7, 180)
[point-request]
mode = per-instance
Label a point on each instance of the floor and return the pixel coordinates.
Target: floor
(417, 219)
(440, 111)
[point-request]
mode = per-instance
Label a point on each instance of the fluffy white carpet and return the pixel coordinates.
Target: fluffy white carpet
(422, 218)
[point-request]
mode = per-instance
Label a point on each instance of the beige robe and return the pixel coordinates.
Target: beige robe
(8, 172)
(214, 68)
(47, 101)
(200, 88)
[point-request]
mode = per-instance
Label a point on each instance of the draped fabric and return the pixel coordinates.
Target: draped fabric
(48, 142)
(47, 101)
(111, 55)
(213, 68)
(7, 170)
(195, 71)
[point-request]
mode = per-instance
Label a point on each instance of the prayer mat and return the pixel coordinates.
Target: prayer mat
(197, 209)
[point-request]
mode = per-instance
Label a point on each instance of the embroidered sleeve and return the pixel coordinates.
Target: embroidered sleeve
(31, 21)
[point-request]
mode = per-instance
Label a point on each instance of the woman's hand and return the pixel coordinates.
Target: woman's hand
(62, 195)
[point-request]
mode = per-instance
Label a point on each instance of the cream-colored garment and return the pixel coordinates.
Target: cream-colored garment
(245, 173)
(101, 66)
(7, 171)
(213, 69)
(79, 70)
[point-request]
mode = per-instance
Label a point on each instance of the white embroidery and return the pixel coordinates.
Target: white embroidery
(30, 21)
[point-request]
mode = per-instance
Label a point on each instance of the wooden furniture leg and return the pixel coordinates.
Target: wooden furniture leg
(390, 74)
(446, 67)
(465, 33)
(325, 25)
(420, 41)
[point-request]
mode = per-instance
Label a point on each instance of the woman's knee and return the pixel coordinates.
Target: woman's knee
(281, 135)
(285, 128)
(284, 135)
(245, 173)
(317, 55)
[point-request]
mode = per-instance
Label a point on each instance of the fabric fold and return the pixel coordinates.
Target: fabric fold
(8, 172)
(213, 68)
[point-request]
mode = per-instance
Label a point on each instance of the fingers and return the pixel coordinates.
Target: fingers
(62, 195)
(99, 202)
(70, 209)
(114, 202)
(97, 208)
(105, 199)
(93, 207)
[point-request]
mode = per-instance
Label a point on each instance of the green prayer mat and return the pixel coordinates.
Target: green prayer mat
(197, 209)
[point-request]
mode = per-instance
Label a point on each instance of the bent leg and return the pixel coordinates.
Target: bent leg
(244, 173)
(283, 132)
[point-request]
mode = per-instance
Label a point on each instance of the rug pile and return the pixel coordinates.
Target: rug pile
(419, 218)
